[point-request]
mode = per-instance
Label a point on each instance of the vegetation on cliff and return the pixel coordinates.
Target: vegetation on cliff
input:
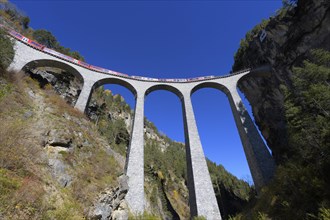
(53, 162)
(302, 181)
(300, 187)
(244, 45)
(6, 52)
(240, 61)
(298, 94)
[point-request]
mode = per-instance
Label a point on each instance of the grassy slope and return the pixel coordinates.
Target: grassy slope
(28, 190)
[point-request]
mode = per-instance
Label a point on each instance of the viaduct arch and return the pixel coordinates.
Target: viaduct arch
(201, 193)
(53, 63)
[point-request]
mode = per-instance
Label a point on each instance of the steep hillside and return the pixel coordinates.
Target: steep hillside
(53, 161)
(291, 34)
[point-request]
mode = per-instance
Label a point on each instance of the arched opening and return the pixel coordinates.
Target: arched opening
(64, 79)
(111, 107)
(222, 146)
(165, 155)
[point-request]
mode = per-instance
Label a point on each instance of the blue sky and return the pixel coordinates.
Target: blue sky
(163, 39)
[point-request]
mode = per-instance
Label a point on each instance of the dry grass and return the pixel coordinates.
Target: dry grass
(23, 197)
(23, 173)
(53, 99)
(21, 190)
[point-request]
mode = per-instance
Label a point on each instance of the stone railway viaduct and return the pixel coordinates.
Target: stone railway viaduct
(201, 194)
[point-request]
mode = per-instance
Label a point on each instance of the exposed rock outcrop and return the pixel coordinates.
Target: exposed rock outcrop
(64, 83)
(111, 203)
(290, 37)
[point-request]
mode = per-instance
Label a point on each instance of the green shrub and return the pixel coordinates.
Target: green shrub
(324, 213)
(5, 90)
(199, 218)
(144, 216)
(300, 187)
(244, 45)
(6, 50)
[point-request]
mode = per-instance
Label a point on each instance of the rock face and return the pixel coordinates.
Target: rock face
(65, 84)
(290, 37)
(111, 203)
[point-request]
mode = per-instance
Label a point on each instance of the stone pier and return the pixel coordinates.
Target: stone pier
(135, 159)
(202, 198)
(261, 163)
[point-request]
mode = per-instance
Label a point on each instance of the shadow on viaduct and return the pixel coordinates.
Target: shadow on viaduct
(201, 194)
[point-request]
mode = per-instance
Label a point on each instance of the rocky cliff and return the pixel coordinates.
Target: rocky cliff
(290, 35)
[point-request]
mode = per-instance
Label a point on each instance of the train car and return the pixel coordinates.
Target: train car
(36, 45)
(65, 57)
(23, 38)
(136, 77)
(153, 79)
(106, 71)
(16, 35)
(83, 64)
(96, 68)
(182, 80)
(57, 54)
(50, 51)
(122, 74)
(112, 72)
(26, 40)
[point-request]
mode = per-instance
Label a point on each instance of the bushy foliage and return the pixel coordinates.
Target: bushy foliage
(244, 45)
(232, 193)
(239, 60)
(49, 40)
(113, 128)
(20, 22)
(45, 37)
(300, 187)
(6, 50)
(25, 22)
(13, 14)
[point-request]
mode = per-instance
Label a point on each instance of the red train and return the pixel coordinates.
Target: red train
(44, 49)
